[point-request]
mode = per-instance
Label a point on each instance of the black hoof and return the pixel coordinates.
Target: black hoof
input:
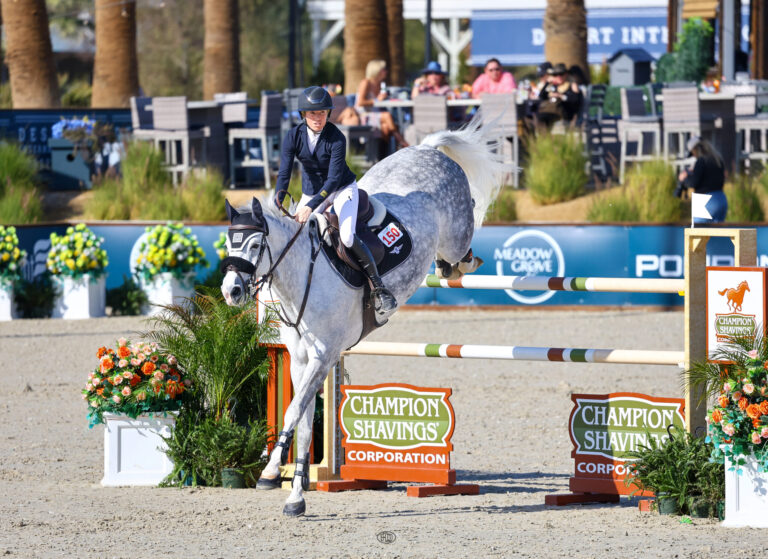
(295, 509)
(266, 483)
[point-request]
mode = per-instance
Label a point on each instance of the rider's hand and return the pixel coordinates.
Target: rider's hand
(302, 215)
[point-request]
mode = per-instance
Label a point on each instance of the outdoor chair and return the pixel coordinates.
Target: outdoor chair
(430, 114)
(268, 130)
(635, 123)
(501, 109)
(141, 117)
(751, 126)
(361, 134)
(173, 135)
(682, 119)
(593, 130)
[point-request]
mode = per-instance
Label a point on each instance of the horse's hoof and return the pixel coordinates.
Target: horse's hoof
(266, 483)
(295, 509)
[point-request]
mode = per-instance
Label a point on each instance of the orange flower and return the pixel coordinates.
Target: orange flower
(743, 403)
(102, 351)
(135, 379)
(148, 368)
(764, 407)
(174, 388)
(107, 364)
(753, 411)
(723, 401)
(717, 416)
(756, 423)
(123, 352)
(100, 391)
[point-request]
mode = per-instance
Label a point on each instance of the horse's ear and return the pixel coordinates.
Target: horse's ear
(231, 212)
(258, 213)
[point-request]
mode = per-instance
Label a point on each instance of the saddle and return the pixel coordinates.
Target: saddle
(370, 214)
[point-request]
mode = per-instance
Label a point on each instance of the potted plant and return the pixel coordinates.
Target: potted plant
(679, 471)
(218, 346)
(735, 382)
(78, 264)
(168, 257)
(11, 258)
(134, 391)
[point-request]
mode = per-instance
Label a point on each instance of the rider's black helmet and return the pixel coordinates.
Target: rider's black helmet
(315, 99)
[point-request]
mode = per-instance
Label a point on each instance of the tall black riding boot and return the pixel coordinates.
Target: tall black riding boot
(384, 300)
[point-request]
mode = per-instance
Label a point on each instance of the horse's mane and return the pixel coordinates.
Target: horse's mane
(474, 149)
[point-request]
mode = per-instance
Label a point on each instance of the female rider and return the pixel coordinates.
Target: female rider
(326, 180)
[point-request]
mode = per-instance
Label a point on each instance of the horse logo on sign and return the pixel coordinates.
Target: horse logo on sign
(735, 297)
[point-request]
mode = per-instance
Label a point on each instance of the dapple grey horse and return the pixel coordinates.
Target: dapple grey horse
(439, 190)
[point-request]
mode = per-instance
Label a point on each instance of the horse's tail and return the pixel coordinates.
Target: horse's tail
(722, 292)
(474, 149)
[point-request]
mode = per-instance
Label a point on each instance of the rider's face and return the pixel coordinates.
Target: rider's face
(316, 120)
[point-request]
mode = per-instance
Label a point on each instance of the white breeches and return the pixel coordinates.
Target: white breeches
(344, 203)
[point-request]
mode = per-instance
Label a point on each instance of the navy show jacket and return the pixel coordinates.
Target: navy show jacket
(323, 171)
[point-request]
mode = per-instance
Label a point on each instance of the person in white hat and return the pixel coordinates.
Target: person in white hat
(707, 177)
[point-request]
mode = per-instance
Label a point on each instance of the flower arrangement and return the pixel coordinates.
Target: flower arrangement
(77, 253)
(738, 386)
(133, 380)
(74, 129)
(11, 256)
(169, 248)
(220, 245)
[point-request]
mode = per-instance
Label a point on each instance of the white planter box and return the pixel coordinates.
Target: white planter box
(164, 289)
(134, 452)
(85, 297)
(746, 496)
(7, 306)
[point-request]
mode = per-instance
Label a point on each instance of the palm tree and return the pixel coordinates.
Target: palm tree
(221, 63)
(396, 39)
(115, 66)
(29, 55)
(365, 38)
(565, 24)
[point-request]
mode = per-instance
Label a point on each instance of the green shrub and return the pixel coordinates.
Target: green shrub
(504, 208)
(744, 204)
(555, 171)
(20, 201)
(202, 196)
(17, 167)
(19, 205)
(35, 299)
(646, 196)
(127, 299)
(76, 94)
(691, 57)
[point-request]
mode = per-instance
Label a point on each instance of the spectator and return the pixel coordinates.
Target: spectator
(541, 81)
(432, 82)
(560, 99)
(370, 90)
(707, 177)
(493, 80)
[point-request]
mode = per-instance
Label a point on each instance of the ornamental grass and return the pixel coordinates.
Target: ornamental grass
(20, 200)
(555, 171)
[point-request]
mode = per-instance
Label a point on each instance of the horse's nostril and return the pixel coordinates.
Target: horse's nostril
(236, 292)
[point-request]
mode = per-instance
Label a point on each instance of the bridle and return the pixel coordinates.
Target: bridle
(241, 266)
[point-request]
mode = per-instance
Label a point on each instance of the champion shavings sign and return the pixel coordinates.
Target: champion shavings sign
(736, 304)
(396, 416)
(612, 425)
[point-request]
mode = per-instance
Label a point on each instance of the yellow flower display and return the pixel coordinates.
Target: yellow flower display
(169, 248)
(76, 253)
(11, 257)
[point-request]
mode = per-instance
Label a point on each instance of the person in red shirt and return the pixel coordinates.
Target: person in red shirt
(493, 80)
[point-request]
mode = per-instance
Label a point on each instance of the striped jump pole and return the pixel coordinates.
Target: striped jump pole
(521, 353)
(544, 283)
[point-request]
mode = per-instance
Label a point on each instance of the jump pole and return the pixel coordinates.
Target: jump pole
(543, 283)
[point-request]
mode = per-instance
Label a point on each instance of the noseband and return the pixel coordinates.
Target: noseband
(239, 265)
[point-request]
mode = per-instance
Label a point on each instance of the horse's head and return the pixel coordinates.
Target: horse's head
(246, 245)
(744, 286)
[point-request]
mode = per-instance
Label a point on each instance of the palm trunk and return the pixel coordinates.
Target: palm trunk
(29, 55)
(365, 38)
(221, 64)
(396, 38)
(115, 66)
(565, 24)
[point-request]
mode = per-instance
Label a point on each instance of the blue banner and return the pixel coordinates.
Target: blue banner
(516, 37)
(636, 251)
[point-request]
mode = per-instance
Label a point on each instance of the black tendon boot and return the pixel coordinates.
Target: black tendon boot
(384, 300)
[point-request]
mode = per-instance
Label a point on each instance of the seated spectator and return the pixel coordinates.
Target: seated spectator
(560, 99)
(493, 80)
(432, 82)
(369, 90)
(541, 81)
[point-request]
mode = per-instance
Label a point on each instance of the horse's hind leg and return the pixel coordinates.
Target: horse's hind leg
(468, 264)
